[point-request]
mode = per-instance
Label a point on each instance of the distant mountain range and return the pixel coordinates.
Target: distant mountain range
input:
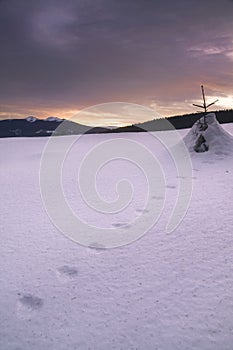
(32, 127)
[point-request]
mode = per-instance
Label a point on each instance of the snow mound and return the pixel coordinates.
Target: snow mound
(31, 119)
(208, 135)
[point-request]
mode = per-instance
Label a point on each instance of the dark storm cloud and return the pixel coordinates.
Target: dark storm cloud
(77, 53)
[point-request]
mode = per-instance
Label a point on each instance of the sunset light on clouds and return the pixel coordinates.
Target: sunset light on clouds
(58, 57)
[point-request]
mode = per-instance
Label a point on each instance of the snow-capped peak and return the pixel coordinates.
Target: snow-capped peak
(54, 119)
(31, 119)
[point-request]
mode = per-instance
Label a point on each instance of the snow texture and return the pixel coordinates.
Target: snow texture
(164, 291)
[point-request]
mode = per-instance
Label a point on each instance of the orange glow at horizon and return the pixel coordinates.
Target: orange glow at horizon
(111, 117)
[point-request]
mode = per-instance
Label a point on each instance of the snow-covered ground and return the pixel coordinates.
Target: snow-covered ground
(164, 291)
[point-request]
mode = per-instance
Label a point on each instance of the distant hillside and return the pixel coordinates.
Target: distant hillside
(179, 122)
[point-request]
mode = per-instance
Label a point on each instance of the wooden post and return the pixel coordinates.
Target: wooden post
(204, 103)
(203, 95)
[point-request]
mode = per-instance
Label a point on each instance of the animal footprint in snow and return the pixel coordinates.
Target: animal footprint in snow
(159, 198)
(142, 211)
(28, 305)
(66, 273)
(96, 247)
(118, 224)
(186, 178)
(208, 162)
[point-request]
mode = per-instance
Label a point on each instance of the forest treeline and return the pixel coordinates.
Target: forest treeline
(178, 122)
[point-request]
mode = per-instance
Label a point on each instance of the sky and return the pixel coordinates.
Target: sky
(59, 57)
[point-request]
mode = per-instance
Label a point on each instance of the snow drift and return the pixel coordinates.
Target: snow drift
(208, 135)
